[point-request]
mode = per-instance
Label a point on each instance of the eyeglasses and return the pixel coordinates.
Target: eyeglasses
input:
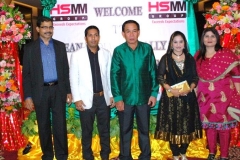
(47, 27)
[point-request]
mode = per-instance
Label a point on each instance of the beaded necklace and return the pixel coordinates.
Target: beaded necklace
(178, 56)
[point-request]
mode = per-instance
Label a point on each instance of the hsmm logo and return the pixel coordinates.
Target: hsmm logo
(70, 9)
(164, 6)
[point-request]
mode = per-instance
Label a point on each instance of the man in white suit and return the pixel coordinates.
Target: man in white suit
(91, 91)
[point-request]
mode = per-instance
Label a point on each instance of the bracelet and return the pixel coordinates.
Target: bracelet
(169, 90)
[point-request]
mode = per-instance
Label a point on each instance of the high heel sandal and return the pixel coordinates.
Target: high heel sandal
(175, 158)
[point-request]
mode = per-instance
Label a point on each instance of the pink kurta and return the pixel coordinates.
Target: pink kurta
(216, 90)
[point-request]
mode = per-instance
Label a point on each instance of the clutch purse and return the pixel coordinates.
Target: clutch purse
(182, 85)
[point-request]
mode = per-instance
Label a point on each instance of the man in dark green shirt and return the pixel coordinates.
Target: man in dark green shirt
(134, 88)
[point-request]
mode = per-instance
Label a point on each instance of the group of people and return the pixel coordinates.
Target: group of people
(214, 72)
(129, 80)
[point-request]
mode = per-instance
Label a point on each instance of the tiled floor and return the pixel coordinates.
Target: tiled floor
(191, 158)
(9, 155)
(13, 156)
(1, 157)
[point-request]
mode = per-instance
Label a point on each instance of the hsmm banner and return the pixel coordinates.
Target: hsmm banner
(158, 19)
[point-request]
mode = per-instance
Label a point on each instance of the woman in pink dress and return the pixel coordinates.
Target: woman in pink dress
(217, 91)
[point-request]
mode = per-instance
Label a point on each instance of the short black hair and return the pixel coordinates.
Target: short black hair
(130, 21)
(91, 27)
(41, 19)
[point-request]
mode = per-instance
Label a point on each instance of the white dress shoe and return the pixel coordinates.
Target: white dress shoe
(175, 158)
(184, 157)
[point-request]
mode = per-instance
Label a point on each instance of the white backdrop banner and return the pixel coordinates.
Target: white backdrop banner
(158, 19)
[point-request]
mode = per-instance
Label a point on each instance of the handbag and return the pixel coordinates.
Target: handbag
(182, 85)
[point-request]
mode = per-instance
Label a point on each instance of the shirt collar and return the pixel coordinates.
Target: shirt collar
(50, 41)
(130, 47)
(89, 51)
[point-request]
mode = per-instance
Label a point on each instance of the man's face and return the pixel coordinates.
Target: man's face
(92, 38)
(131, 33)
(45, 30)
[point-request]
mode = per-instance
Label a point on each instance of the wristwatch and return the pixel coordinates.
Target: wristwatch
(169, 90)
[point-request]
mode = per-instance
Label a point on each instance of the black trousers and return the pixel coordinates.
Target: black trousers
(126, 118)
(87, 117)
(178, 149)
(52, 102)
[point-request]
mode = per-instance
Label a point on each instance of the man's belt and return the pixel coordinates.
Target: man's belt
(51, 83)
(98, 94)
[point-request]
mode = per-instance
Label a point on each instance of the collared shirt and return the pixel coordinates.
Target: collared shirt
(95, 68)
(133, 74)
(48, 61)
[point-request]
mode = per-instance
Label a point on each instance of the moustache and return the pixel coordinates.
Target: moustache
(48, 33)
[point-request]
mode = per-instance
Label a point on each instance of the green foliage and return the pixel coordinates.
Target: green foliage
(73, 124)
(114, 127)
(29, 127)
(95, 130)
(153, 121)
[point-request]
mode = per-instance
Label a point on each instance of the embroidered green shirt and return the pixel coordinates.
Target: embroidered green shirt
(133, 74)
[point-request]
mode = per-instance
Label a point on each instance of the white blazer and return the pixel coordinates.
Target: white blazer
(81, 76)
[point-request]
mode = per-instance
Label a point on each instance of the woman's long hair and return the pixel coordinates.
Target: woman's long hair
(174, 34)
(202, 50)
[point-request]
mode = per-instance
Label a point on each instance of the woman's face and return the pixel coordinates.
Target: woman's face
(209, 39)
(178, 44)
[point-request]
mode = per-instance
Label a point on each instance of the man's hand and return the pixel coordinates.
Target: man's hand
(80, 105)
(69, 99)
(119, 105)
(28, 103)
(152, 101)
(112, 104)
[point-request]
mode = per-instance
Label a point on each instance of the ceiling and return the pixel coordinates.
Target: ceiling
(34, 3)
(37, 3)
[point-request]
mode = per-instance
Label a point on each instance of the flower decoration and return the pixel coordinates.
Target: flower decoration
(224, 16)
(10, 98)
(12, 25)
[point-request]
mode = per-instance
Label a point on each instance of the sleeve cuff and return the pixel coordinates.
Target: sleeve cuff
(110, 94)
(154, 94)
(28, 98)
(118, 98)
(236, 79)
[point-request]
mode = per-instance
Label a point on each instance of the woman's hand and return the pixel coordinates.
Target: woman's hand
(175, 92)
(184, 93)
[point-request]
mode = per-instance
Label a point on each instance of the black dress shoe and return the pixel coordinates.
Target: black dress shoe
(211, 157)
(27, 149)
